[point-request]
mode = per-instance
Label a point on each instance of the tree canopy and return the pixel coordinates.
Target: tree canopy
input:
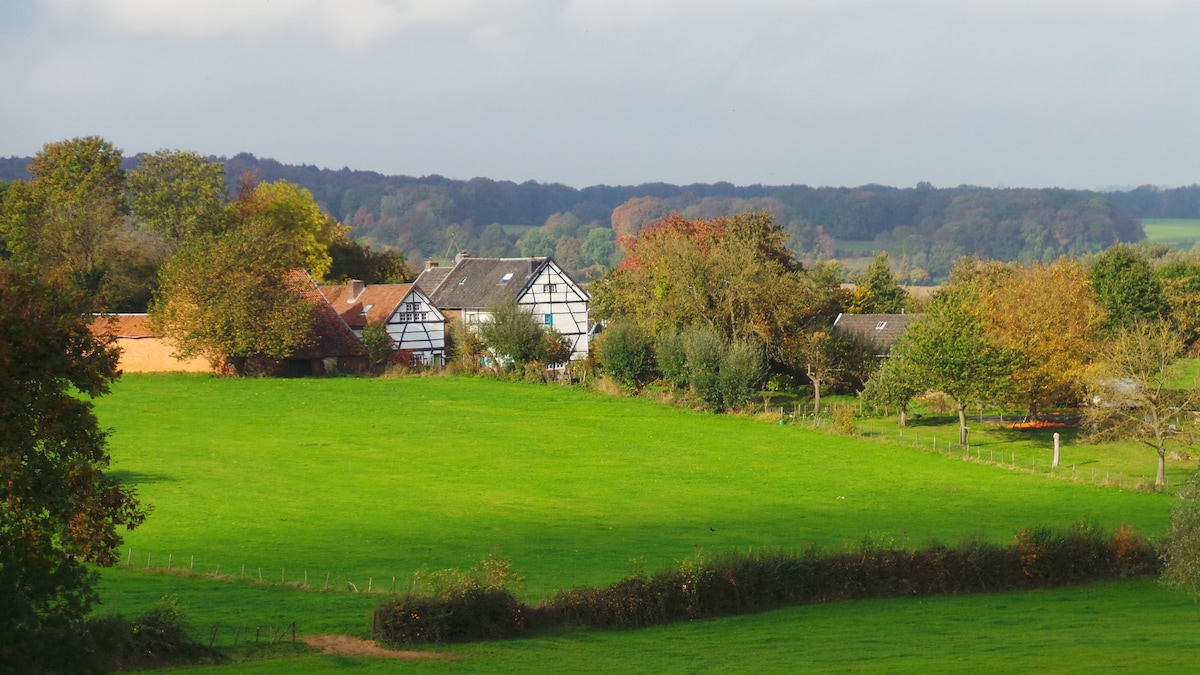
(59, 508)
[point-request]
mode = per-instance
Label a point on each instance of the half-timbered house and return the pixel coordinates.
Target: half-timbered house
(414, 324)
(466, 291)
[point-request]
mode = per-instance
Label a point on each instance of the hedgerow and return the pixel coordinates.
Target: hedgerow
(738, 583)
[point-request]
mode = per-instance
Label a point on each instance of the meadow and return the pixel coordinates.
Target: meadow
(1174, 232)
(362, 481)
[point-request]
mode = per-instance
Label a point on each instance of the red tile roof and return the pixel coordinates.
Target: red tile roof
(330, 334)
(359, 305)
(123, 326)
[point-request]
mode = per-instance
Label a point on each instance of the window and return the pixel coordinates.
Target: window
(549, 288)
(412, 306)
(881, 325)
(506, 278)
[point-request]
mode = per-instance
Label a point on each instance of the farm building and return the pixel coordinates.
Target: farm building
(414, 324)
(466, 291)
(332, 345)
(142, 349)
(881, 331)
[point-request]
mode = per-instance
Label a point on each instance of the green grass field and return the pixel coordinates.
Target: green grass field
(1176, 233)
(366, 480)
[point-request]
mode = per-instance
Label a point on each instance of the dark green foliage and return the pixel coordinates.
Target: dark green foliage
(743, 369)
(671, 357)
(469, 614)
(1181, 546)
(1126, 287)
(513, 332)
(377, 344)
(516, 337)
(160, 638)
(704, 350)
(353, 260)
(626, 354)
(877, 291)
(739, 583)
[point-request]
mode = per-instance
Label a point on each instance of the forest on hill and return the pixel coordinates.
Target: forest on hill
(925, 229)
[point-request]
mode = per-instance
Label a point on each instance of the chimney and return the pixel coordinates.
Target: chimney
(430, 264)
(356, 289)
(462, 255)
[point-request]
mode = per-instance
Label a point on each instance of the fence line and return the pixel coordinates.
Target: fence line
(1009, 459)
(340, 582)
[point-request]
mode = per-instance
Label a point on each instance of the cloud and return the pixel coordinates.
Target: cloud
(345, 24)
(617, 14)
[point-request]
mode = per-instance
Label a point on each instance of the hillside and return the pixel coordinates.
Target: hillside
(923, 228)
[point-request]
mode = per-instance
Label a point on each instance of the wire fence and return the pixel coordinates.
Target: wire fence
(329, 582)
(1011, 459)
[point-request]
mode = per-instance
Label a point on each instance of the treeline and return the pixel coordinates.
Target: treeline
(924, 228)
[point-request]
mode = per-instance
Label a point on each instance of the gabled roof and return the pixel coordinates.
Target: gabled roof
(430, 277)
(878, 330)
(479, 283)
(130, 326)
(330, 334)
(359, 305)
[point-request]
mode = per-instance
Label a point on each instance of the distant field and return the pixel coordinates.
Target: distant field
(366, 480)
(1177, 233)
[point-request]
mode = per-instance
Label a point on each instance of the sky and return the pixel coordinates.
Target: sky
(1090, 94)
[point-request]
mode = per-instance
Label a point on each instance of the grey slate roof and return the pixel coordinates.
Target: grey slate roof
(879, 330)
(430, 277)
(479, 283)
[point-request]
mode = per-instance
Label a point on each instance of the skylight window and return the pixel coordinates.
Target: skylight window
(462, 282)
(367, 309)
(881, 325)
(506, 278)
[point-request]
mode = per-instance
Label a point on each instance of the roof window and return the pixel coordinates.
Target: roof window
(881, 325)
(506, 278)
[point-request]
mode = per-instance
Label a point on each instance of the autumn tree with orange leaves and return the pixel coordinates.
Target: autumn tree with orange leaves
(733, 274)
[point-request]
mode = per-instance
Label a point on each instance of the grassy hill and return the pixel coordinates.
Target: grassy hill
(362, 481)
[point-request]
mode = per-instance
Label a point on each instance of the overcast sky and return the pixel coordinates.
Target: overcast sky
(1037, 93)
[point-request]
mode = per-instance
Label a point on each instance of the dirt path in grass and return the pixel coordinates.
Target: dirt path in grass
(352, 646)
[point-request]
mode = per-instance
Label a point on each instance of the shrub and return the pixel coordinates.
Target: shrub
(736, 583)
(1181, 546)
(671, 357)
(160, 638)
(472, 605)
(704, 350)
(843, 420)
(626, 354)
(743, 368)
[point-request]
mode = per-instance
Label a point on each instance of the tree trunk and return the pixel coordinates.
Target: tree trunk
(903, 415)
(962, 424)
(816, 382)
(1160, 478)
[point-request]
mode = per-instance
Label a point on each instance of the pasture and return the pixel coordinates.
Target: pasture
(364, 480)
(1174, 232)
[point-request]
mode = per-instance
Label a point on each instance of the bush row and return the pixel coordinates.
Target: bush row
(736, 583)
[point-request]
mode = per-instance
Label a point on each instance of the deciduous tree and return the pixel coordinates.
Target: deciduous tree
(68, 221)
(59, 509)
(235, 295)
(1134, 392)
(949, 350)
(1047, 317)
(876, 290)
(179, 194)
(1125, 287)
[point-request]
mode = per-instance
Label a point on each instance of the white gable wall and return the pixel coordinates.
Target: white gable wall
(417, 326)
(557, 302)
